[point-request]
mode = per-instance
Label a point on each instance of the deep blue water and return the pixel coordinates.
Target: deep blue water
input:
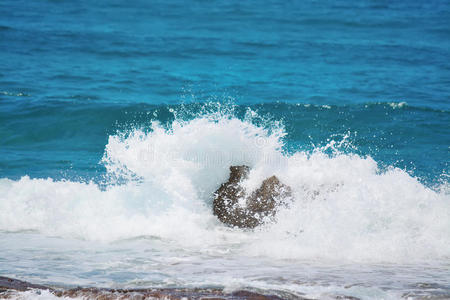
(74, 72)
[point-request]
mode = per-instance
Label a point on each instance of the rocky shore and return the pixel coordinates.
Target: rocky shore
(10, 287)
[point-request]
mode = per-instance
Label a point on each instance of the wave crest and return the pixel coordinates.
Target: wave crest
(345, 207)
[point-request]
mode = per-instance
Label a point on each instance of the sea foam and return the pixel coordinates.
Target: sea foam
(345, 207)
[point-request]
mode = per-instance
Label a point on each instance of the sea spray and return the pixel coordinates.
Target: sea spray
(345, 207)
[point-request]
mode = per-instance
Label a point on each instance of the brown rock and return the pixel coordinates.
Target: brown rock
(17, 285)
(261, 205)
(9, 288)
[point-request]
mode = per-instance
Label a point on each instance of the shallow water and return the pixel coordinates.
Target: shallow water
(147, 261)
(119, 121)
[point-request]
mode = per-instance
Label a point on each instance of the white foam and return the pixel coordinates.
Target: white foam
(345, 207)
(396, 105)
(39, 295)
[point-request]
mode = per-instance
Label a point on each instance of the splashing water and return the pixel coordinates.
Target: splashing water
(345, 207)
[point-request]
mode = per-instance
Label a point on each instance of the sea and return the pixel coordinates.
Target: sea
(120, 119)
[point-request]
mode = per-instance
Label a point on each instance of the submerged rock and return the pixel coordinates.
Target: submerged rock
(233, 206)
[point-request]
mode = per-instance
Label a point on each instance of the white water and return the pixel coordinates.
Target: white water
(158, 228)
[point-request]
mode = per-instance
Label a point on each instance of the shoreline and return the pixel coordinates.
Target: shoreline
(9, 287)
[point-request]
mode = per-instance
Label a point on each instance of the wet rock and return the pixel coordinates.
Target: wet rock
(233, 206)
(10, 287)
(17, 285)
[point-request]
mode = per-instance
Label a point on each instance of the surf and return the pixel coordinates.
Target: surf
(161, 179)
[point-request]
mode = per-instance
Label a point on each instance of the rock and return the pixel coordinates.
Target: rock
(17, 285)
(233, 206)
(9, 289)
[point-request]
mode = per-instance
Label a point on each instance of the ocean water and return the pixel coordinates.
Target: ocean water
(119, 120)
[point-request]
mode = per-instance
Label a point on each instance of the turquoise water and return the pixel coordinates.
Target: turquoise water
(72, 73)
(119, 119)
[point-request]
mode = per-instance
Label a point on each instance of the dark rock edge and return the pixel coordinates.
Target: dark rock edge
(9, 287)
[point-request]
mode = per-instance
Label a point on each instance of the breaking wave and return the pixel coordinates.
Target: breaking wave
(161, 181)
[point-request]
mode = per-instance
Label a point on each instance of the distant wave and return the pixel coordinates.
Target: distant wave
(112, 116)
(4, 28)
